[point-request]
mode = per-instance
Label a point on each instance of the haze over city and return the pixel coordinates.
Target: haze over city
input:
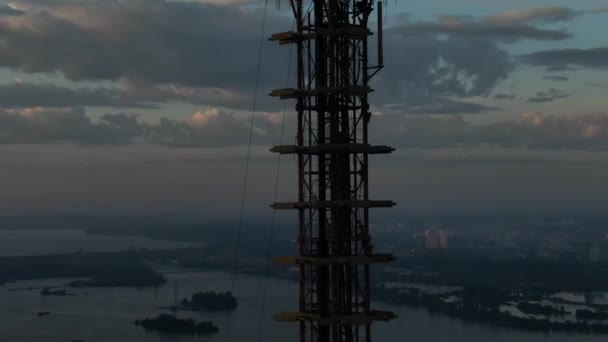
(312, 170)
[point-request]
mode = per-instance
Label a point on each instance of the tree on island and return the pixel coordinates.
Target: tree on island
(213, 301)
(166, 323)
(539, 309)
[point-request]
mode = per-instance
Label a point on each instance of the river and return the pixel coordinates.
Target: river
(102, 315)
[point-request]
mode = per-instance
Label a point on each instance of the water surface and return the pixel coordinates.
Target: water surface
(107, 314)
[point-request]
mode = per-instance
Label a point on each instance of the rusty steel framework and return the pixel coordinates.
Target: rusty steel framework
(332, 149)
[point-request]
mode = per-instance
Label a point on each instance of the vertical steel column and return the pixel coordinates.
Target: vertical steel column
(333, 190)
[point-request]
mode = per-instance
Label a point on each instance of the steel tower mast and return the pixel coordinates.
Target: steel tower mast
(332, 149)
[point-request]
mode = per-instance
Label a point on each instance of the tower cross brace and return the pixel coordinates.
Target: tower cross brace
(332, 149)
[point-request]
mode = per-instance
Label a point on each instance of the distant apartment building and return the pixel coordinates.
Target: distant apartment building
(595, 252)
(436, 239)
(443, 239)
(431, 239)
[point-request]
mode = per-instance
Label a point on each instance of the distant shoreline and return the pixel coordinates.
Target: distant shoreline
(477, 308)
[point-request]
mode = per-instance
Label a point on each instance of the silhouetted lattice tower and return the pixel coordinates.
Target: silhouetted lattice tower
(332, 149)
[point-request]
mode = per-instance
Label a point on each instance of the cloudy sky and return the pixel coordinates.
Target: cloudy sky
(143, 106)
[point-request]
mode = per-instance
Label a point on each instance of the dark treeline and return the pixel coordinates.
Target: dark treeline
(98, 269)
(61, 293)
(541, 310)
(124, 268)
(591, 315)
(470, 269)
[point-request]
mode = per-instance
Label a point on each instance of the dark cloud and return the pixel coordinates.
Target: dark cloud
(25, 95)
(597, 85)
(145, 41)
(481, 30)
(458, 56)
(425, 66)
(28, 95)
(502, 96)
(164, 51)
(506, 27)
(159, 51)
(535, 15)
(557, 78)
(564, 59)
(438, 105)
(43, 125)
(216, 128)
(588, 131)
(533, 130)
(548, 96)
(8, 11)
(209, 96)
(201, 52)
(211, 128)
